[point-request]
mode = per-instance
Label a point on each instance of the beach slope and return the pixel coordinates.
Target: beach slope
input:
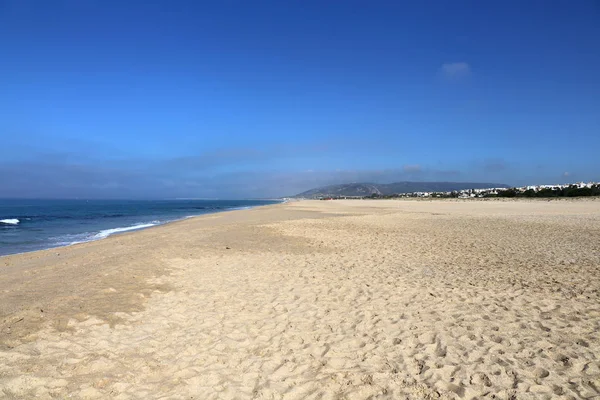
(315, 300)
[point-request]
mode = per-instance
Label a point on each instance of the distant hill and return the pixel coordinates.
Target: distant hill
(367, 189)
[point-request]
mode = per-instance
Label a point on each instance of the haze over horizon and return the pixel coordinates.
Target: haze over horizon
(155, 99)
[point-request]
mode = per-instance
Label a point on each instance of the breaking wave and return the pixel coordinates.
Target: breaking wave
(9, 221)
(107, 232)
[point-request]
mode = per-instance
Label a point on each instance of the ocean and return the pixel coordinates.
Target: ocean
(28, 225)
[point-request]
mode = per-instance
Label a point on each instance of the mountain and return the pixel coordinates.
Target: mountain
(367, 189)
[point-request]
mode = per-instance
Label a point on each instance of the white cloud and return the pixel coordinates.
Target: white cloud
(455, 70)
(566, 174)
(413, 168)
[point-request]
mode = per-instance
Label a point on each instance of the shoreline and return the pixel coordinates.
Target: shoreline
(74, 259)
(132, 228)
(307, 299)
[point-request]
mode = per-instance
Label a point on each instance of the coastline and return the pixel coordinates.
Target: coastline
(119, 230)
(309, 299)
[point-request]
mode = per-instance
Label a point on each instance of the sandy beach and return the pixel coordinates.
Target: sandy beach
(345, 299)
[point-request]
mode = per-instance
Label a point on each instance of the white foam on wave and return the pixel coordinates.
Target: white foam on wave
(10, 221)
(76, 238)
(107, 232)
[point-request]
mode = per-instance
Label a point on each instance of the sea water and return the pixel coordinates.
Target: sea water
(28, 225)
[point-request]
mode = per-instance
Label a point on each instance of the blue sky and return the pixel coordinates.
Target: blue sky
(270, 98)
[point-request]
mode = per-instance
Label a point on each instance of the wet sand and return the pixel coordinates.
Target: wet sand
(315, 299)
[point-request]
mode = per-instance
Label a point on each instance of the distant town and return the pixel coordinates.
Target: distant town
(541, 191)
